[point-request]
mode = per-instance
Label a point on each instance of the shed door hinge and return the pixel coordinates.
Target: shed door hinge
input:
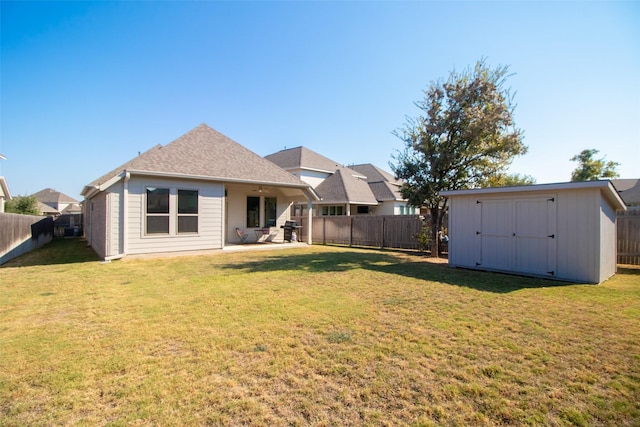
(553, 273)
(478, 232)
(553, 199)
(553, 236)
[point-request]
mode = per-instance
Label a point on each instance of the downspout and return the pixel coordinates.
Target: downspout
(310, 226)
(125, 218)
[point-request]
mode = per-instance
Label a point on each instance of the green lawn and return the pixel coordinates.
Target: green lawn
(310, 336)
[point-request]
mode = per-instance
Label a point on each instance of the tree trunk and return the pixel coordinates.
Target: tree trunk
(435, 227)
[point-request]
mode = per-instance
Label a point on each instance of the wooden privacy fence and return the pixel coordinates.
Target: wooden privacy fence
(629, 237)
(381, 231)
(20, 234)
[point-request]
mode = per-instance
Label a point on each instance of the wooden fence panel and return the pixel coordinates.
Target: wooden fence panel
(629, 237)
(20, 234)
(398, 232)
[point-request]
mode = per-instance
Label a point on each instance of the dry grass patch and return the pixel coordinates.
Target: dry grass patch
(317, 335)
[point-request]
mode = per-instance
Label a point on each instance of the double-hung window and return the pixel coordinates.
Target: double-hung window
(157, 210)
(187, 211)
(170, 212)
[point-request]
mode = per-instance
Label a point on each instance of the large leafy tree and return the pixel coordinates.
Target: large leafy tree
(464, 135)
(590, 169)
(26, 205)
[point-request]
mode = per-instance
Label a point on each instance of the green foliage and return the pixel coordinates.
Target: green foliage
(464, 135)
(515, 180)
(590, 169)
(25, 205)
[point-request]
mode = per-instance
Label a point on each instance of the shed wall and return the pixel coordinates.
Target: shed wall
(583, 249)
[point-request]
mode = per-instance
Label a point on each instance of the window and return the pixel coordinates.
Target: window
(157, 210)
(299, 210)
(253, 212)
(332, 210)
(363, 209)
(270, 204)
(187, 211)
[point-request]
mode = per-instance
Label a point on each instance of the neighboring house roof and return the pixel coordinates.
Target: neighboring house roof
(375, 174)
(383, 184)
(53, 198)
(202, 153)
(46, 209)
(303, 158)
(4, 189)
(629, 190)
(73, 208)
(343, 187)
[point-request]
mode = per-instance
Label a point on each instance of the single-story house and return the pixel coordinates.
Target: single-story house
(191, 194)
(561, 231)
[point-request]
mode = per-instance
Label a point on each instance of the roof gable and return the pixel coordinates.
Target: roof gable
(303, 158)
(343, 187)
(204, 153)
(49, 195)
(375, 174)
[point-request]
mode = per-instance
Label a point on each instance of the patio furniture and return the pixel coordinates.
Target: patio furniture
(241, 235)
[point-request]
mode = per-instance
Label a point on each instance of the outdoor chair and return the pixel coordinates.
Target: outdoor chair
(241, 235)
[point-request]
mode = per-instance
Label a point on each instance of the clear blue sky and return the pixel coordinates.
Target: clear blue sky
(85, 86)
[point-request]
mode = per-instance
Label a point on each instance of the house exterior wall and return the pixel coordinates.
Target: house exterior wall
(581, 220)
(236, 212)
(210, 217)
(95, 226)
(312, 178)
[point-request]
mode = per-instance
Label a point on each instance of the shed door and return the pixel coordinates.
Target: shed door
(495, 234)
(518, 235)
(535, 240)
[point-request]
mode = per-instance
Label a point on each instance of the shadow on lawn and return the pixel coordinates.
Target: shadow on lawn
(412, 266)
(58, 251)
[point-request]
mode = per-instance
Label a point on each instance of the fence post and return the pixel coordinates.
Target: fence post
(382, 232)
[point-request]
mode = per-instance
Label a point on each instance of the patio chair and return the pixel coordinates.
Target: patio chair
(241, 235)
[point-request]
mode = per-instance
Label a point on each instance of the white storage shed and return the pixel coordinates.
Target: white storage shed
(561, 231)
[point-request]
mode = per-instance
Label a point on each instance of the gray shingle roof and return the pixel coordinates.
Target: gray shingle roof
(303, 158)
(49, 195)
(343, 187)
(205, 153)
(374, 173)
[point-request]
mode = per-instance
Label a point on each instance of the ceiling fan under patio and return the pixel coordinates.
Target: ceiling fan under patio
(262, 189)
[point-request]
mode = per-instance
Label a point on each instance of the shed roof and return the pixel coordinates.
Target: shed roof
(343, 187)
(606, 188)
(629, 190)
(202, 153)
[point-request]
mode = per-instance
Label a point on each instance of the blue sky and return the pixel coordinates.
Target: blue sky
(85, 86)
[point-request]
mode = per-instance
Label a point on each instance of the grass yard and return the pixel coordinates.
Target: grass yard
(310, 336)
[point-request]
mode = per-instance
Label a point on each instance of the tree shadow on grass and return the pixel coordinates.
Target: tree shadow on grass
(58, 251)
(415, 267)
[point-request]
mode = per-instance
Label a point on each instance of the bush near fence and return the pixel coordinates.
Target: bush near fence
(20, 234)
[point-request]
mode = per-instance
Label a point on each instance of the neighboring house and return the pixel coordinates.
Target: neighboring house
(5, 194)
(386, 189)
(563, 231)
(55, 200)
(629, 190)
(69, 222)
(354, 190)
(190, 194)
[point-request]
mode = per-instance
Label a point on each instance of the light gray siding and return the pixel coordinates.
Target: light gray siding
(567, 234)
(210, 217)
